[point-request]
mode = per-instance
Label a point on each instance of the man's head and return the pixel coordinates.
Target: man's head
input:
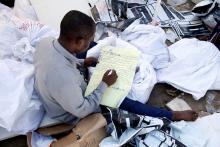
(76, 31)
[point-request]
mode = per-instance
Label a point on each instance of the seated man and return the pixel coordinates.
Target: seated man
(61, 82)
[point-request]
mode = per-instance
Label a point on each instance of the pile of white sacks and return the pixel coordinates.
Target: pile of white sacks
(20, 110)
(189, 65)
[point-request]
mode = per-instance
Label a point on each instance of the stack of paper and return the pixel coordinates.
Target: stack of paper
(178, 104)
(124, 61)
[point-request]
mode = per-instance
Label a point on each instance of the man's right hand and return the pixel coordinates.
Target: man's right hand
(110, 77)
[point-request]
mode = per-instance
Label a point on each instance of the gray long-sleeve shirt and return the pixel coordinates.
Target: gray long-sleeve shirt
(61, 85)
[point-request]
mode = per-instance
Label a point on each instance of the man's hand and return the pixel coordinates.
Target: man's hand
(90, 61)
(110, 77)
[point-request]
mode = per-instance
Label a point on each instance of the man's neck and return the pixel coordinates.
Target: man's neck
(65, 45)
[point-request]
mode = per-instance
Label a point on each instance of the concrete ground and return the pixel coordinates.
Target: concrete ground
(159, 97)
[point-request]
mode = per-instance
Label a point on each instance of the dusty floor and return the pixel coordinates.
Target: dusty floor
(14, 142)
(159, 98)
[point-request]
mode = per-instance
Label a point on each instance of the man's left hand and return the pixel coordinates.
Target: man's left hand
(90, 61)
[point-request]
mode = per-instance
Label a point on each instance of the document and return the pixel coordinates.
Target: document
(124, 61)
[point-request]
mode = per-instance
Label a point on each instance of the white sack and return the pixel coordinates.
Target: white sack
(32, 30)
(20, 112)
(4, 7)
(35, 31)
(16, 88)
(11, 35)
(149, 40)
(39, 140)
(193, 68)
(144, 81)
(24, 10)
(204, 132)
(23, 51)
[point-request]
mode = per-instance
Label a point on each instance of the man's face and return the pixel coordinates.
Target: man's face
(84, 43)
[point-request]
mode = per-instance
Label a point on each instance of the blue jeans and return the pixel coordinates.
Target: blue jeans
(144, 109)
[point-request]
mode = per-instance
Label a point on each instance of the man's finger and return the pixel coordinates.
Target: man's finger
(107, 72)
(113, 71)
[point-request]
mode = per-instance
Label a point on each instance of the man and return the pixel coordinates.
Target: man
(60, 79)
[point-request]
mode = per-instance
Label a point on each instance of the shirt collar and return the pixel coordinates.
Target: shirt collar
(58, 47)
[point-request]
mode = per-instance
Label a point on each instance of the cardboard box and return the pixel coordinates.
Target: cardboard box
(54, 130)
(89, 132)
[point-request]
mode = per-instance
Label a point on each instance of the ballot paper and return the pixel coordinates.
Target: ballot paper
(124, 61)
(178, 104)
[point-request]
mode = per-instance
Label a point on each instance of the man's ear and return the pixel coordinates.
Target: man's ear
(79, 42)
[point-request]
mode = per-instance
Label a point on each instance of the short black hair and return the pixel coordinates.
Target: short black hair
(76, 25)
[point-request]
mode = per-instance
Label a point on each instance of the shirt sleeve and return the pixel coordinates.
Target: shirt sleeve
(69, 95)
